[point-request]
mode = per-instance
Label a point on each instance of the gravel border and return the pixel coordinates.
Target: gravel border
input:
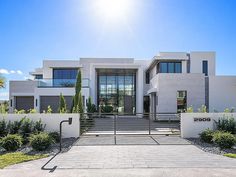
(211, 148)
(67, 143)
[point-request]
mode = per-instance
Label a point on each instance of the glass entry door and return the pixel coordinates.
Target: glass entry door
(117, 89)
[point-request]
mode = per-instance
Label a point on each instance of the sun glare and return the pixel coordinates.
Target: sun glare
(113, 10)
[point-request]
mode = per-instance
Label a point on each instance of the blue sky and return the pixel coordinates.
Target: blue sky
(33, 30)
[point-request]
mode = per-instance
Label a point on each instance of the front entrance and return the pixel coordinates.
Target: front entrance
(116, 90)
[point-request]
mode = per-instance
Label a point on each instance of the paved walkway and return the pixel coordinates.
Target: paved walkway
(140, 156)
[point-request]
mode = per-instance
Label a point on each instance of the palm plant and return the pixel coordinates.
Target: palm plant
(2, 82)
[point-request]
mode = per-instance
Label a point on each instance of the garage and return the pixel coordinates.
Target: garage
(53, 101)
(24, 103)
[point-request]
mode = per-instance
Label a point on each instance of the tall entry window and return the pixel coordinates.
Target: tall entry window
(116, 88)
(181, 101)
(64, 77)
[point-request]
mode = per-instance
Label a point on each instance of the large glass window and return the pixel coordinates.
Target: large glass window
(169, 67)
(163, 68)
(178, 67)
(118, 91)
(64, 77)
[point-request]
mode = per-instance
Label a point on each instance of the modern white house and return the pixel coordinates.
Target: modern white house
(168, 83)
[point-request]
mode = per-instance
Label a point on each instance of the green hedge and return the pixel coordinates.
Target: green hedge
(11, 142)
(224, 139)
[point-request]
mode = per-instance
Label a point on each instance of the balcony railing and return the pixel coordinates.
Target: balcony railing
(48, 83)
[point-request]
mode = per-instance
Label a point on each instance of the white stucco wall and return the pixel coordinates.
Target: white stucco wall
(168, 84)
(192, 129)
(52, 122)
(196, 59)
(222, 92)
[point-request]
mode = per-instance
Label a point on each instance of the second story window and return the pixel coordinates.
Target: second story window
(169, 67)
(64, 77)
(147, 77)
(205, 67)
(39, 76)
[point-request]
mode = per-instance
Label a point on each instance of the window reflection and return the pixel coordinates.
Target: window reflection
(118, 91)
(169, 67)
(64, 77)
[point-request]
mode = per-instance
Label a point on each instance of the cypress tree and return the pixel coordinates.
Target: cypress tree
(78, 86)
(62, 104)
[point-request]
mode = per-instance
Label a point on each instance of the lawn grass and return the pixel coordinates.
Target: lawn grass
(17, 157)
(230, 155)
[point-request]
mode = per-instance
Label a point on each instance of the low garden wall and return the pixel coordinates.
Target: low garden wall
(192, 124)
(52, 122)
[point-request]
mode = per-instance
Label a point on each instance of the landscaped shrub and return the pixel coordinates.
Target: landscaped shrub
(227, 110)
(26, 128)
(91, 108)
(40, 141)
(224, 139)
(107, 109)
(38, 126)
(14, 127)
(202, 109)
(62, 104)
(49, 110)
(22, 111)
(207, 136)
(3, 128)
(32, 111)
(55, 136)
(227, 124)
(4, 107)
(11, 142)
(190, 109)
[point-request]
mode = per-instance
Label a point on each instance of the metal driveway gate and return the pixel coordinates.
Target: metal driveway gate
(138, 124)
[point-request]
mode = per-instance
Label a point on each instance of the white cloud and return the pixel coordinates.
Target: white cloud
(19, 72)
(4, 71)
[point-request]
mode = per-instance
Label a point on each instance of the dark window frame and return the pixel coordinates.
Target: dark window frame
(159, 70)
(205, 67)
(147, 77)
(38, 76)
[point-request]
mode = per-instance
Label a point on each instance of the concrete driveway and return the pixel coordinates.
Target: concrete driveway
(158, 159)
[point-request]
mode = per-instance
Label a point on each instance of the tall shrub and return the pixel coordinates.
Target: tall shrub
(26, 128)
(3, 128)
(91, 108)
(62, 104)
(14, 127)
(226, 123)
(78, 99)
